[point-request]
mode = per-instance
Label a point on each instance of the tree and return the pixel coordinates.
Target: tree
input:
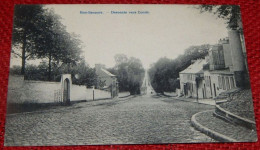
(27, 19)
(121, 71)
(129, 72)
(231, 13)
(56, 44)
(120, 58)
(71, 50)
(39, 72)
(135, 74)
(15, 70)
(164, 73)
(160, 73)
(34, 72)
(82, 74)
(38, 33)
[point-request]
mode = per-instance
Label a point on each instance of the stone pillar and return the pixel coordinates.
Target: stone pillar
(66, 89)
(237, 57)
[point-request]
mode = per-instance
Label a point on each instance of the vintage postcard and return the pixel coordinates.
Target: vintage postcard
(128, 74)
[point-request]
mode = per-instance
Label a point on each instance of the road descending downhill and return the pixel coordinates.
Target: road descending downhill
(137, 120)
(146, 88)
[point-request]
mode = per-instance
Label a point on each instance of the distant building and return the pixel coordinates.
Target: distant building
(191, 80)
(107, 80)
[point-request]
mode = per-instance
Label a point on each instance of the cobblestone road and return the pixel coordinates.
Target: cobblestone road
(138, 120)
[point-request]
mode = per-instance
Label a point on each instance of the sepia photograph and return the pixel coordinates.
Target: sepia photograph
(102, 74)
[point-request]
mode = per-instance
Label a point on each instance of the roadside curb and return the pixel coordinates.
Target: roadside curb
(228, 116)
(181, 99)
(73, 102)
(209, 132)
(124, 96)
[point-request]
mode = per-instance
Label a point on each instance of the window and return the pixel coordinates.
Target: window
(206, 80)
(232, 82)
(227, 81)
(210, 85)
(223, 83)
(219, 82)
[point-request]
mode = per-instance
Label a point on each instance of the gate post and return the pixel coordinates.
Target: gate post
(66, 84)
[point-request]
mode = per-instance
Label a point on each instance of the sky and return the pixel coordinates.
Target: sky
(165, 31)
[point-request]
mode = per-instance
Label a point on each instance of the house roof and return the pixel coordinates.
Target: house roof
(196, 67)
(107, 72)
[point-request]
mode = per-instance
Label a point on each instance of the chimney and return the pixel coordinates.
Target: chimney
(237, 57)
(236, 50)
(223, 41)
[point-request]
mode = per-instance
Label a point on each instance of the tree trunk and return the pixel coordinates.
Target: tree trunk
(23, 53)
(49, 70)
(69, 68)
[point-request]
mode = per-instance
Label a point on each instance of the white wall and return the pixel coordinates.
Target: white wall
(98, 94)
(78, 92)
(214, 80)
(82, 93)
(21, 91)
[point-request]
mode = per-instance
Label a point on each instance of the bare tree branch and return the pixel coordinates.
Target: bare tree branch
(17, 54)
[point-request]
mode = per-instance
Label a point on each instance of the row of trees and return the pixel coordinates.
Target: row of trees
(81, 73)
(39, 34)
(164, 73)
(129, 72)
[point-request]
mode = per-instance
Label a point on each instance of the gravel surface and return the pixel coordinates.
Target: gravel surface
(138, 120)
(241, 104)
(237, 132)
